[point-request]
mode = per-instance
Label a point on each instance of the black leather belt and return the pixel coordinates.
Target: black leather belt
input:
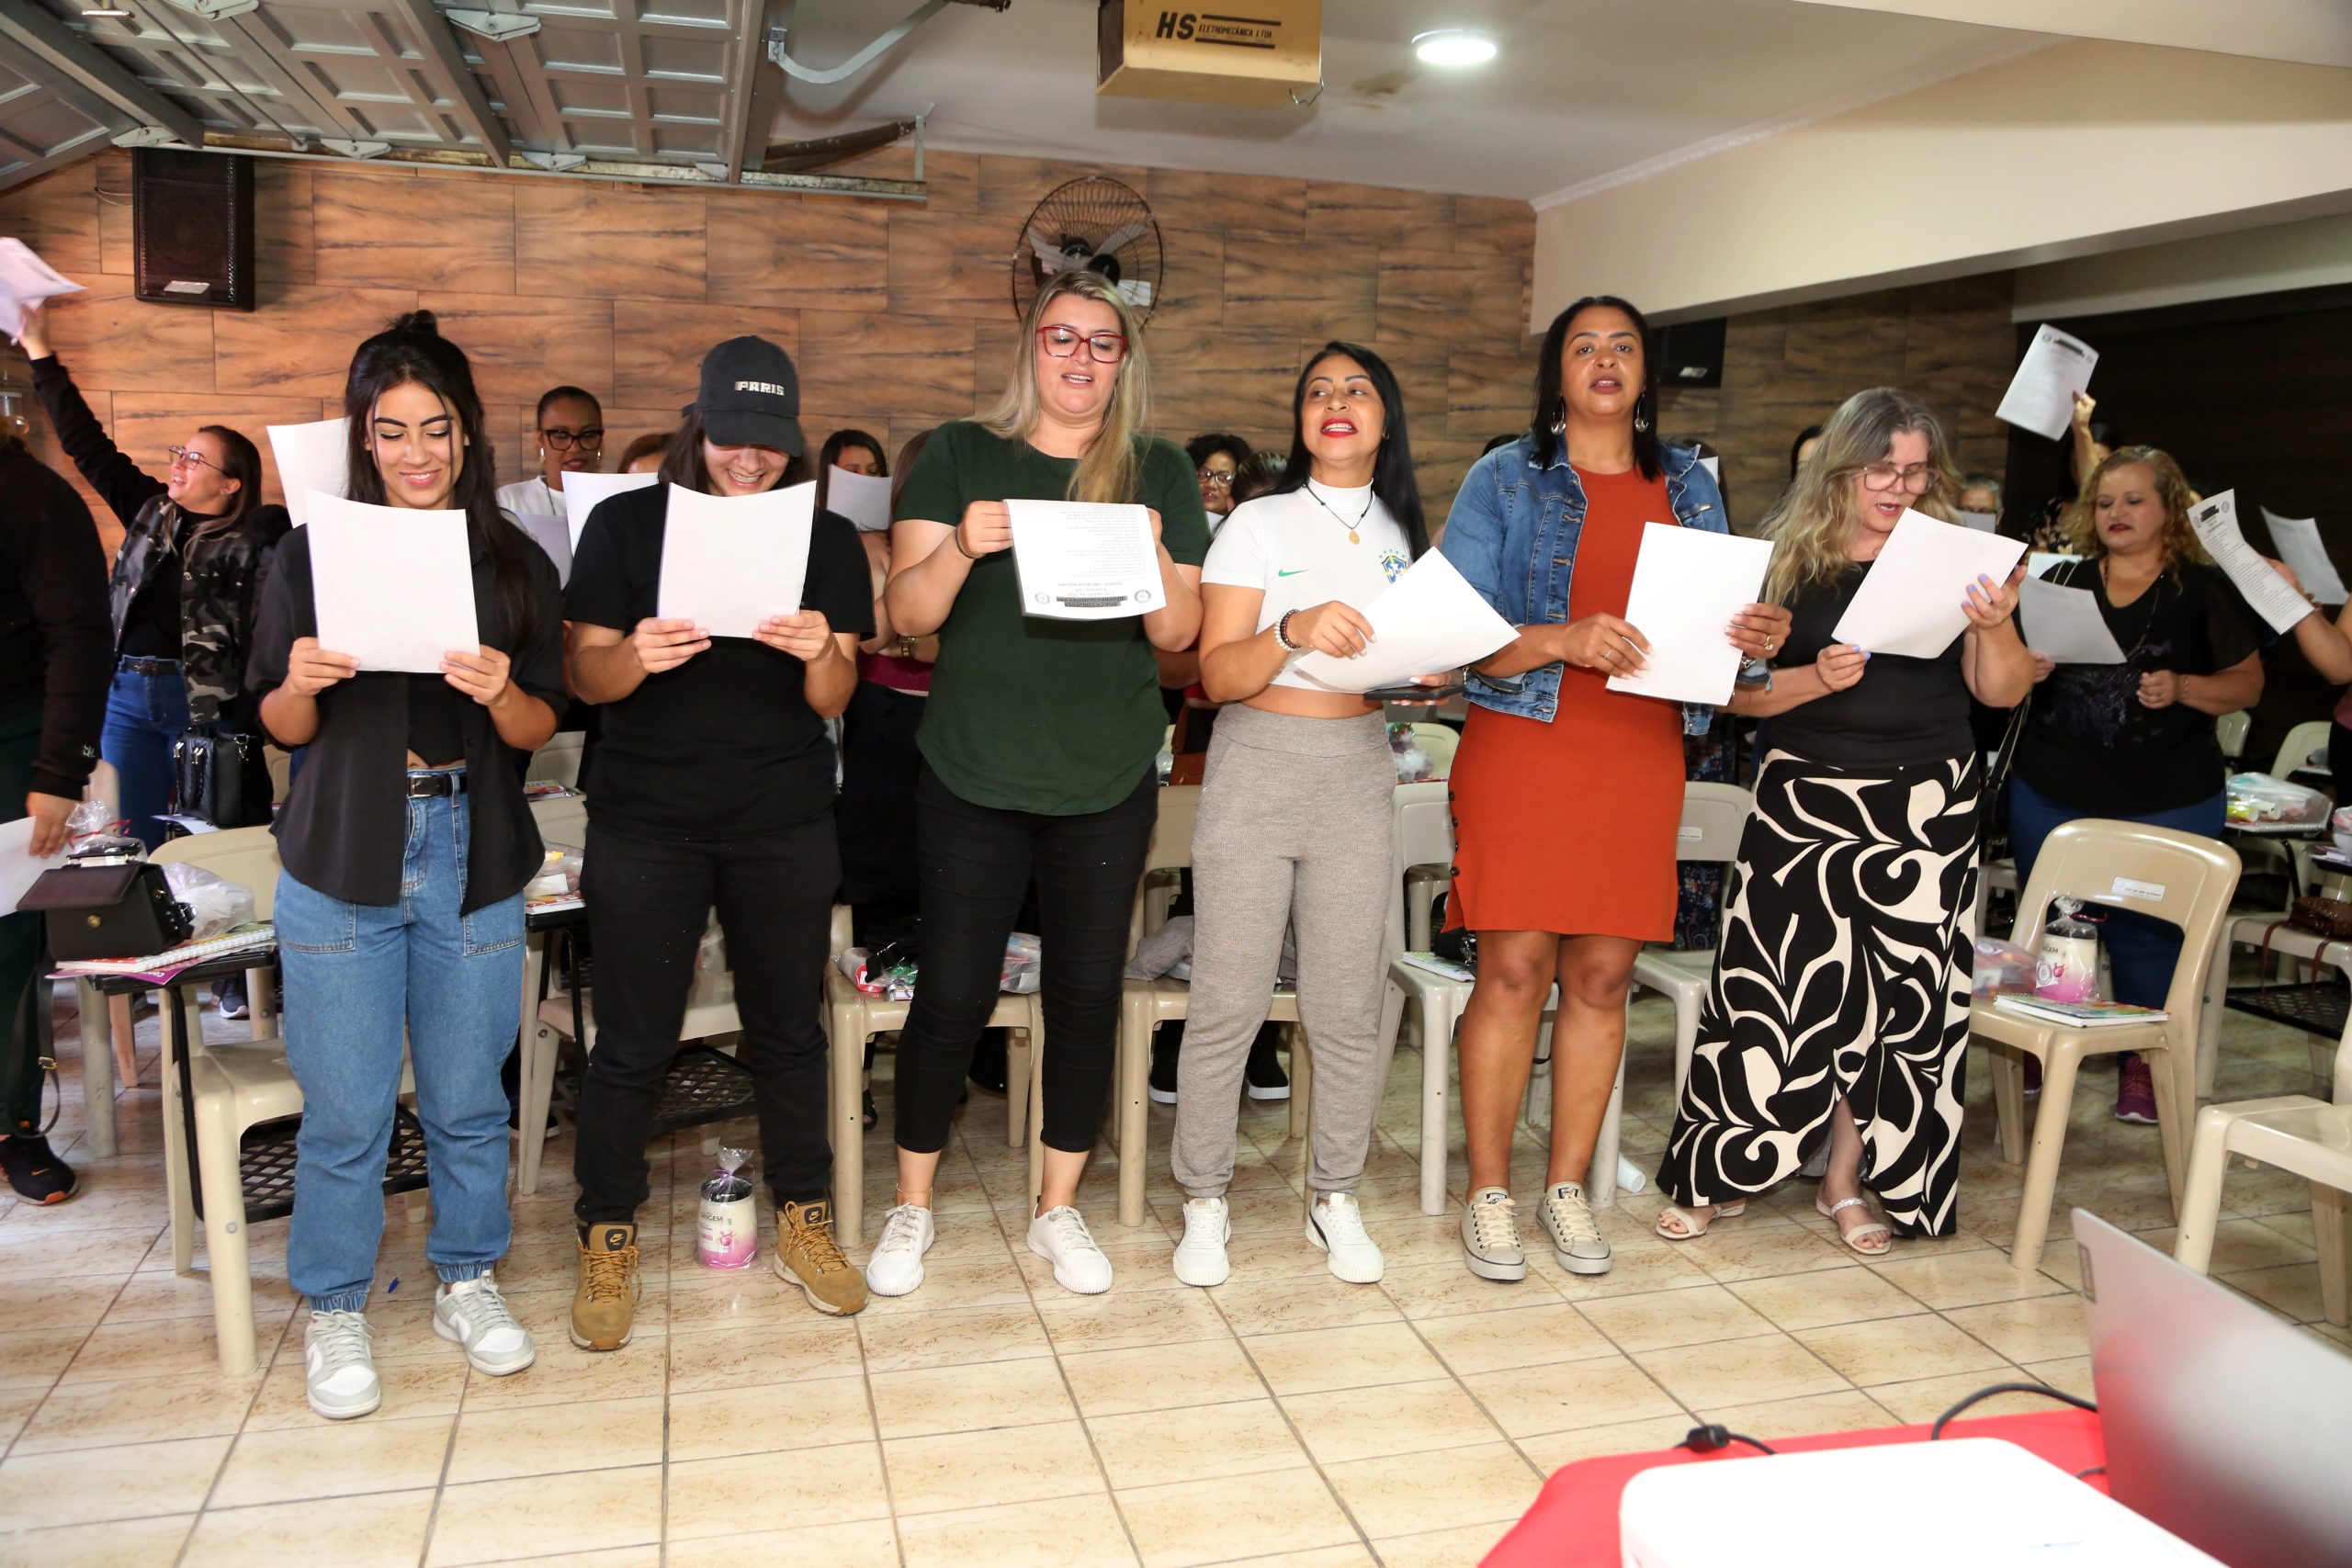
(440, 780)
(148, 666)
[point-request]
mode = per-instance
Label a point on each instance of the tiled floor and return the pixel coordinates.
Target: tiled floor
(992, 1418)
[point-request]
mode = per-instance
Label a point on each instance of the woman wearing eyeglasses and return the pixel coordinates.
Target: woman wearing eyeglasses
(1838, 1009)
(1037, 740)
(1216, 458)
(185, 589)
(572, 441)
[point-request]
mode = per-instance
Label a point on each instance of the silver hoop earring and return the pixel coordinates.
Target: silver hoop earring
(1640, 423)
(1560, 417)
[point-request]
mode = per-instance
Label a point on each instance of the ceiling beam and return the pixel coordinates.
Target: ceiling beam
(446, 63)
(92, 70)
(755, 92)
(2301, 32)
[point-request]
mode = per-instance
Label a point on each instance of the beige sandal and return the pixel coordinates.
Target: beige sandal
(1852, 1238)
(1693, 1227)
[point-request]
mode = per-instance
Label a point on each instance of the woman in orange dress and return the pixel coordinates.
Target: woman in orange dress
(1567, 796)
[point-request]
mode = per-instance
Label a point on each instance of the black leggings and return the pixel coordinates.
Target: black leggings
(975, 864)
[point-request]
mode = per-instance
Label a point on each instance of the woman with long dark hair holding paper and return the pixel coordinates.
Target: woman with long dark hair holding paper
(1038, 740)
(713, 789)
(406, 844)
(1295, 803)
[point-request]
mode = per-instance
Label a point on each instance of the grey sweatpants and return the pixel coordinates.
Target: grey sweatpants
(1293, 830)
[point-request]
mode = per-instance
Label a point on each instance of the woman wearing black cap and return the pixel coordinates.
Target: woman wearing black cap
(714, 787)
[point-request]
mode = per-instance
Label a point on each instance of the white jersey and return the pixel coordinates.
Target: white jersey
(1295, 549)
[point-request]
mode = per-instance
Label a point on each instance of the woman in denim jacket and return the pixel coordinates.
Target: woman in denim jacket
(1567, 796)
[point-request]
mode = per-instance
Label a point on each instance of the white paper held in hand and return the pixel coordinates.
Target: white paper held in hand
(731, 562)
(18, 868)
(1911, 602)
(1688, 584)
(314, 456)
(1428, 621)
(1982, 522)
(2305, 554)
(2215, 521)
(863, 499)
(550, 535)
(583, 493)
(2063, 624)
(2042, 394)
(26, 279)
(1083, 561)
(392, 587)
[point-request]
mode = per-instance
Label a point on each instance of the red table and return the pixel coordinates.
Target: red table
(1574, 1522)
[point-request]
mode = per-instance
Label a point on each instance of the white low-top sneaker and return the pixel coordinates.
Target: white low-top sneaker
(1060, 1237)
(1199, 1257)
(1336, 1224)
(896, 1268)
(1491, 1235)
(473, 1313)
(1577, 1240)
(340, 1366)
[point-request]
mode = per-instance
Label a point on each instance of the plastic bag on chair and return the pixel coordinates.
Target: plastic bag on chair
(214, 902)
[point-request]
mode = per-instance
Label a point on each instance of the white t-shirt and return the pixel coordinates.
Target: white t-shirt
(531, 496)
(1295, 549)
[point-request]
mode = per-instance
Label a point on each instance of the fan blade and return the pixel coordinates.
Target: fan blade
(1048, 251)
(1137, 292)
(1131, 233)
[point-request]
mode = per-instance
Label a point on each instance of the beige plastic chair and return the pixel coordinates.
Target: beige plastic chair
(2302, 744)
(2173, 877)
(560, 759)
(562, 821)
(1713, 817)
(2230, 730)
(2295, 1133)
(1438, 742)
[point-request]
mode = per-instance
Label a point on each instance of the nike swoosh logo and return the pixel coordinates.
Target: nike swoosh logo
(1300, 570)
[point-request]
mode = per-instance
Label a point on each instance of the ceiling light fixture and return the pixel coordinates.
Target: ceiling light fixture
(1453, 46)
(89, 11)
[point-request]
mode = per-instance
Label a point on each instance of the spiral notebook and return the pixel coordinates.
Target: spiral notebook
(161, 966)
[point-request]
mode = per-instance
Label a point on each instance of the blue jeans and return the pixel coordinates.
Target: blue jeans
(144, 714)
(355, 974)
(2140, 949)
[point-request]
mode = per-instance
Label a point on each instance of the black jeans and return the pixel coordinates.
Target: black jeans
(649, 901)
(976, 863)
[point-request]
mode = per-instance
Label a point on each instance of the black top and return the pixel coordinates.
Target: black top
(56, 642)
(342, 828)
(1902, 711)
(725, 745)
(436, 718)
(2089, 743)
(122, 484)
(151, 629)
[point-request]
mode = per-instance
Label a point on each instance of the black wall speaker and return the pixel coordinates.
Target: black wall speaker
(1689, 354)
(192, 228)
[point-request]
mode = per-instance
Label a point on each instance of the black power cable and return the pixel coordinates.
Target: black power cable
(2043, 1389)
(1709, 1438)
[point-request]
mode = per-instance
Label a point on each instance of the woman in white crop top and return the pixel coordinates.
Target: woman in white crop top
(1295, 806)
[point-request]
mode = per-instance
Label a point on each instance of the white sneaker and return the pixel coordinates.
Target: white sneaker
(473, 1313)
(1491, 1235)
(1060, 1235)
(1199, 1257)
(1577, 1240)
(1335, 1223)
(340, 1366)
(896, 1268)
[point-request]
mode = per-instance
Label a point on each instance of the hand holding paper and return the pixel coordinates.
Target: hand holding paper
(1688, 584)
(2301, 547)
(1082, 561)
(394, 588)
(1429, 619)
(730, 562)
(2041, 396)
(1914, 601)
(25, 281)
(2215, 521)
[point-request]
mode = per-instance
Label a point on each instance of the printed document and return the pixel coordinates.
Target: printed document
(26, 279)
(314, 456)
(863, 499)
(1084, 561)
(2063, 624)
(19, 869)
(2301, 547)
(394, 588)
(1427, 621)
(583, 492)
(731, 562)
(1688, 584)
(2215, 519)
(2041, 396)
(550, 535)
(1910, 603)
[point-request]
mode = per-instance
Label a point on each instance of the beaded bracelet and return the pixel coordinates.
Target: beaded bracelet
(1282, 633)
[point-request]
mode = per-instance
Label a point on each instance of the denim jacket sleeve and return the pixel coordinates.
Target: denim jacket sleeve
(1698, 503)
(1472, 543)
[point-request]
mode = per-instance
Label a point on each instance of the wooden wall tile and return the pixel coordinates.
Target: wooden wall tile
(1219, 203)
(1221, 379)
(146, 422)
(301, 344)
(1487, 390)
(57, 215)
(657, 349)
(373, 231)
(913, 368)
(947, 266)
(793, 254)
(520, 346)
(579, 238)
(285, 240)
(116, 252)
(1192, 280)
(1301, 289)
(1017, 185)
(1493, 226)
(42, 439)
(108, 338)
(1441, 295)
(1386, 217)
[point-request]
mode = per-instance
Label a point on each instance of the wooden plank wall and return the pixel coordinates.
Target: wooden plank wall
(898, 315)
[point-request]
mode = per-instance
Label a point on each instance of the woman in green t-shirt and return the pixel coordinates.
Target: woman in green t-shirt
(1038, 742)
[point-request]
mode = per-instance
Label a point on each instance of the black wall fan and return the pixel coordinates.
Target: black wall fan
(1096, 223)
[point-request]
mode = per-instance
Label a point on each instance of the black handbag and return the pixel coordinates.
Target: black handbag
(223, 778)
(119, 909)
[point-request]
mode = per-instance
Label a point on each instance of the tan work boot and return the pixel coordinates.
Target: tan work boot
(807, 1254)
(603, 1309)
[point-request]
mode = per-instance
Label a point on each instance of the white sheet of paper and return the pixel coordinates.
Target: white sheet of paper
(863, 499)
(19, 869)
(1715, 467)
(2041, 395)
(1910, 603)
(731, 562)
(2215, 519)
(1428, 621)
(314, 456)
(583, 492)
(1982, 522)
(2063, 624)
(26, 279)
(394, 588)
(2301, 547)
(1688, 584)
(551, 536)
(2039, 563)
(1084, 561)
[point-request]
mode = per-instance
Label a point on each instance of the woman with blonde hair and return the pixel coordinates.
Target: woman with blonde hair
(1037, 740)
(2135, 741)
(1838, 1009)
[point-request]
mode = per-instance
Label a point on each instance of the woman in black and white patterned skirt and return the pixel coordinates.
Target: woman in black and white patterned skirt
(1839, 1005)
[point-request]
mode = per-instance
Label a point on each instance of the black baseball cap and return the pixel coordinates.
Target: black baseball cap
(751, 396)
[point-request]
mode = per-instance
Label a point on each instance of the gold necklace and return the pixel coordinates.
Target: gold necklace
(1353, 537)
